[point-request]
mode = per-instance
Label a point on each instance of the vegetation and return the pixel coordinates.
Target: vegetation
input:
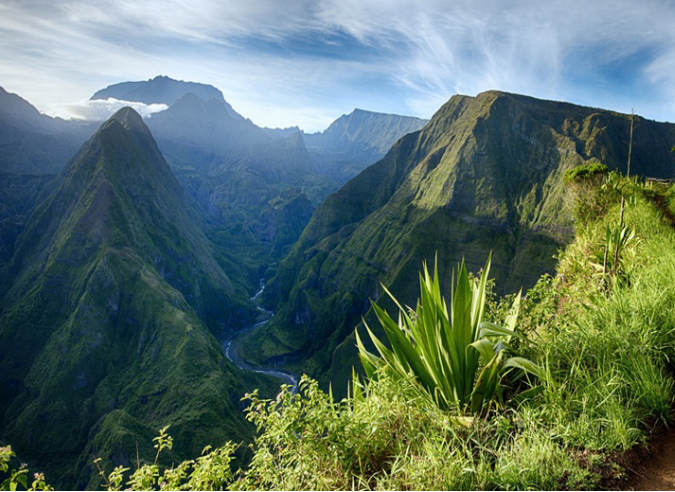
(455, 357)
(604, 356)
(587, 172)
(443, 408)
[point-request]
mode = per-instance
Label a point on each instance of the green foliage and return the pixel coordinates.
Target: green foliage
(18, 477)
(586, 172)
(385, 439)
(617, 239)
(211, 471)
(450, 351)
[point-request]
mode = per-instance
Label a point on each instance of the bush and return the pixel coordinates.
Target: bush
(585, 173)
(451, 354)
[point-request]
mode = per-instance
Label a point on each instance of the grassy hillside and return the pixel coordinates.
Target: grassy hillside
(485, 175)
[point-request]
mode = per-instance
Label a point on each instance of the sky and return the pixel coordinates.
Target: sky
(307, 62)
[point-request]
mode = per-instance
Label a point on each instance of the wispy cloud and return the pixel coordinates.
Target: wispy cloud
(102, 109)
(316, 59)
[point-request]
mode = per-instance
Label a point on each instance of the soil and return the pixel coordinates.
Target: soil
(654, 468)
(660, 202)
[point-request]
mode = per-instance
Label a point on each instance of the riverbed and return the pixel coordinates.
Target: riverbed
(232, 353)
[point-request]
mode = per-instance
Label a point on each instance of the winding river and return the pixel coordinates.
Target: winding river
(231, 352)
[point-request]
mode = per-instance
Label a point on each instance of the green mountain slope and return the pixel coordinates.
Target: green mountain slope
(484, 175)
(108, 312)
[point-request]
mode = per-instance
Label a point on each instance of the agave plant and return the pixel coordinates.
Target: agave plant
(452, 355)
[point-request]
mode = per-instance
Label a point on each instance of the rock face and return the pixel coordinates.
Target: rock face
(354, 141)
(485, 175)
(107, 311)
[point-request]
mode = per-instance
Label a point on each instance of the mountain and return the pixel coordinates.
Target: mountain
(354, 141)
(163, 90)
(31, 142)
(282, 132)
(235, 171)
(198, 135)
(242, 178)
(484, 175)
(33, 148)
(108, 310)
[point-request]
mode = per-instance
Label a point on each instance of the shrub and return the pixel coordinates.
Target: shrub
(453, 356)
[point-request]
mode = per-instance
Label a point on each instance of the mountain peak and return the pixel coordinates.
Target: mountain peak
(130, 120)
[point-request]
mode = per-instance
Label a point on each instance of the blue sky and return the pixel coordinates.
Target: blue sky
(306, 62)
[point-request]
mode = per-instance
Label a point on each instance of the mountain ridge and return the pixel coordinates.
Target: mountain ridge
(162, 90)
(484, 175)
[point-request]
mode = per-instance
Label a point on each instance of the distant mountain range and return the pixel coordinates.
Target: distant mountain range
(233, 168)
(163, 90)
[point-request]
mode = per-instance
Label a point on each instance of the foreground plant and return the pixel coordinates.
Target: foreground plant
(211, 471)
(455, 357)
(19, 477)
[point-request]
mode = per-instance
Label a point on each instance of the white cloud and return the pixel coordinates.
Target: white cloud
(102, 109)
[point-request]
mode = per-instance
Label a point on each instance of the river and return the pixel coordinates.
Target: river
(233, 354)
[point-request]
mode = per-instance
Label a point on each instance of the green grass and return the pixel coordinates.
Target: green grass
(605, 346)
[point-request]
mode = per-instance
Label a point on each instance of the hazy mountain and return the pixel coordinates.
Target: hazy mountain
(31, 142)
(199, 135)
(33, 148)
(485, 175)
(354, 141)
(282, 132)
(107, 312)
(237, 172)
(163, 90)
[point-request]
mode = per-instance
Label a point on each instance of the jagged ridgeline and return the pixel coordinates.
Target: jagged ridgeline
(107, 317)
(485, 175)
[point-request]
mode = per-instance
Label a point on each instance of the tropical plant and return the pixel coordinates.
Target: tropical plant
(455, 357)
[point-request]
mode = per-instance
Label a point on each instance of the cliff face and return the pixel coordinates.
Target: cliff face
(485, 175)
(356, 140)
